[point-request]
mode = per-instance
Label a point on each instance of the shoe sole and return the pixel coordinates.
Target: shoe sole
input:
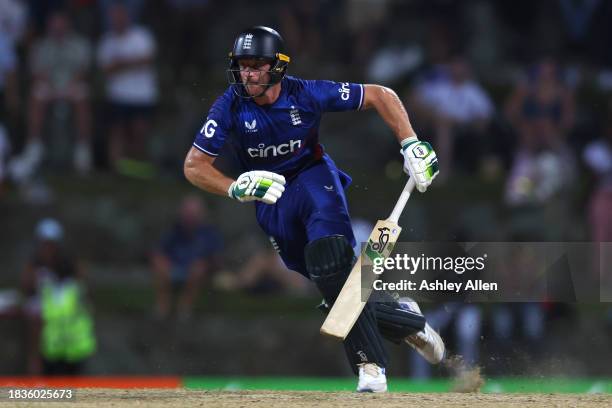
(419, 344)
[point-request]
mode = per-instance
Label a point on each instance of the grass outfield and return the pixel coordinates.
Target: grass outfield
(319, 384)
(498, 385)
(184, 398)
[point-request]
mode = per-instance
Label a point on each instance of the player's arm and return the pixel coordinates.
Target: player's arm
(420, 160)
(253, 185)
(200, 172)
(390, 108)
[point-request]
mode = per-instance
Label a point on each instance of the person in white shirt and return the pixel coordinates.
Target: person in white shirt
(59, 65)
(456, 104)
(126, 55)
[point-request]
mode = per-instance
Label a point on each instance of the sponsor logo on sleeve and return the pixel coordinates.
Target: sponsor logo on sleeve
(209, 128)
(345, 91)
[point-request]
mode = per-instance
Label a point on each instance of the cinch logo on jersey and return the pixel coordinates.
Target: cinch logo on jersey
(251, 127)
(246, 45)
(345, 91)
(266, 151)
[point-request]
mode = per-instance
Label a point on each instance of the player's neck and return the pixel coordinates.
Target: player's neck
(270, 96)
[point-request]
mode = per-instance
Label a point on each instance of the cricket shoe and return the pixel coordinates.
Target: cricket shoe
(426, 342)
(372, 378)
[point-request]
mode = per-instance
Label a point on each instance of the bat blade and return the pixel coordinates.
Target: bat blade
(349, 304)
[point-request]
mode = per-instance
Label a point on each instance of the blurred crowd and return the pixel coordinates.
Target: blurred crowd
(518, 92)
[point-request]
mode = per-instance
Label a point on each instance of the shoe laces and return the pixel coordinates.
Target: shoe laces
(371, 369)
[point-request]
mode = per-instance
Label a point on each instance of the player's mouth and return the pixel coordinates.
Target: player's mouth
(253, 87)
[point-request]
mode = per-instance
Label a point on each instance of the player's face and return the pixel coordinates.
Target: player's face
(254, 75)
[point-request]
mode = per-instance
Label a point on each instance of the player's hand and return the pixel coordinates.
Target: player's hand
(257, 185)
(420, 162)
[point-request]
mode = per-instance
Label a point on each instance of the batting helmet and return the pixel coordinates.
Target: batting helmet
(261, 43)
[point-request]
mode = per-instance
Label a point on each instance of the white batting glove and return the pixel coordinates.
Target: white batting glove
(257, 185)
(420, 162)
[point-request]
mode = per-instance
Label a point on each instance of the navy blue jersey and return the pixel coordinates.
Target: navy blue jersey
(282, 137)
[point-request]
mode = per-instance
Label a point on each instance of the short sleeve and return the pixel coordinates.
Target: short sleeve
(336, 96)
(216, 128)
(144, 43)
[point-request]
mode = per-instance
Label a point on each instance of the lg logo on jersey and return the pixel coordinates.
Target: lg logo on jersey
(262, 151)
(209, 128)
(345, 91)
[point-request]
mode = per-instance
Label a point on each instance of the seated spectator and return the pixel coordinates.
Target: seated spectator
(457, 106)
(59, 67)
(187, 254)
(60, 327)
(126, 54)
(264, 272)
(598, 157)
(13, 20)
(541, 110)
(542, 98)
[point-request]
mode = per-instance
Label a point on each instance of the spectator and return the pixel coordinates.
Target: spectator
(13, 19)
(265, 273)
(303, 25)
(126, 55)
(541, 108)
(134, 10)
(8, 99)
(458, 107)
(598, 157)
(60, 328)
(542, 111)
(59, 63)
(187, 18)
(188, 253)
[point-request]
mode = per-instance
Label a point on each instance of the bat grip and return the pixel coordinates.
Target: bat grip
(401, 202)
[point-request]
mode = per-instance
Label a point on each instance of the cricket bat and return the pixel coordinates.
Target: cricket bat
(349, 304)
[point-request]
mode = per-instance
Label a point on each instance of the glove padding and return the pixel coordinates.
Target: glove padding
(257, 185)
(420, 162)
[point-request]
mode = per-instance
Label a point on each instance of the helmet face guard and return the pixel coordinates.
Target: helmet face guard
(258, 43)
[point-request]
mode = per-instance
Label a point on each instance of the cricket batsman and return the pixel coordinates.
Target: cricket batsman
(298, 190)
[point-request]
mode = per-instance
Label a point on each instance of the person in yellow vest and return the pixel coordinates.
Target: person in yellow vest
(60, 327)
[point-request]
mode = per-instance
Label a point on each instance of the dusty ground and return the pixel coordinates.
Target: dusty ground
(287, 399)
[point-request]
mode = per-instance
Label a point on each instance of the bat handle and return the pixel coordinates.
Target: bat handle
(401, 202)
